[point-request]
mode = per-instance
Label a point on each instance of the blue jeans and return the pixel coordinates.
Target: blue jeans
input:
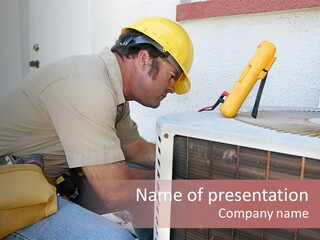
(72, 222)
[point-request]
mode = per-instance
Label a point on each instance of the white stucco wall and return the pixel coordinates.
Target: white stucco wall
(223, 46)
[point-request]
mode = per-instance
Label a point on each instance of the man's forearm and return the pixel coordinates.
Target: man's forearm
(112, 182)
(141, 152)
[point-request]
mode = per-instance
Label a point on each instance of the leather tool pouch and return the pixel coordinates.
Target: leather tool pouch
(25, 197)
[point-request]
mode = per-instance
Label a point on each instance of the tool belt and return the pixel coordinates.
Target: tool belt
(27, 196)
(71, 185)
(68, 184)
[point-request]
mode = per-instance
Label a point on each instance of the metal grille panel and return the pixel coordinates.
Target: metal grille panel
(201, 159)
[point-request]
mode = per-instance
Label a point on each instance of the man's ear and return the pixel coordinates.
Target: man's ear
(143, 57)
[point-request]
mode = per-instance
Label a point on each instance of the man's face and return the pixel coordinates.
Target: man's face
(159, 80)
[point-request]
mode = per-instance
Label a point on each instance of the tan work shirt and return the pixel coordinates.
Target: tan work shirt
(72, 111)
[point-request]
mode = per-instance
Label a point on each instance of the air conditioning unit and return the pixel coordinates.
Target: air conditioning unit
(278, 144)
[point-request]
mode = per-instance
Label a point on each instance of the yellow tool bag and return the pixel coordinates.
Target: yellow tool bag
(25, 197)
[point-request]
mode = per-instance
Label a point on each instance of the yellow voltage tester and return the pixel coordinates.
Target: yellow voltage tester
(256, 69)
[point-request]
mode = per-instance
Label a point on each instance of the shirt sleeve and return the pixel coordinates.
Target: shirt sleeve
(83, 113)
(127, 129)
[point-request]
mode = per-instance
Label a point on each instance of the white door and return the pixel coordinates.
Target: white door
(58, 28)
(10, 45)
(40, 30)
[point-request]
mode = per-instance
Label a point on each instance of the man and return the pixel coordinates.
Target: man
(75, 112)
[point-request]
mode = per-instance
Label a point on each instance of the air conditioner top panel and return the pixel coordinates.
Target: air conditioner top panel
(285, 131)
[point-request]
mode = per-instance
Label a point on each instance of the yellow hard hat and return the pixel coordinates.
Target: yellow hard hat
(174, 40)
